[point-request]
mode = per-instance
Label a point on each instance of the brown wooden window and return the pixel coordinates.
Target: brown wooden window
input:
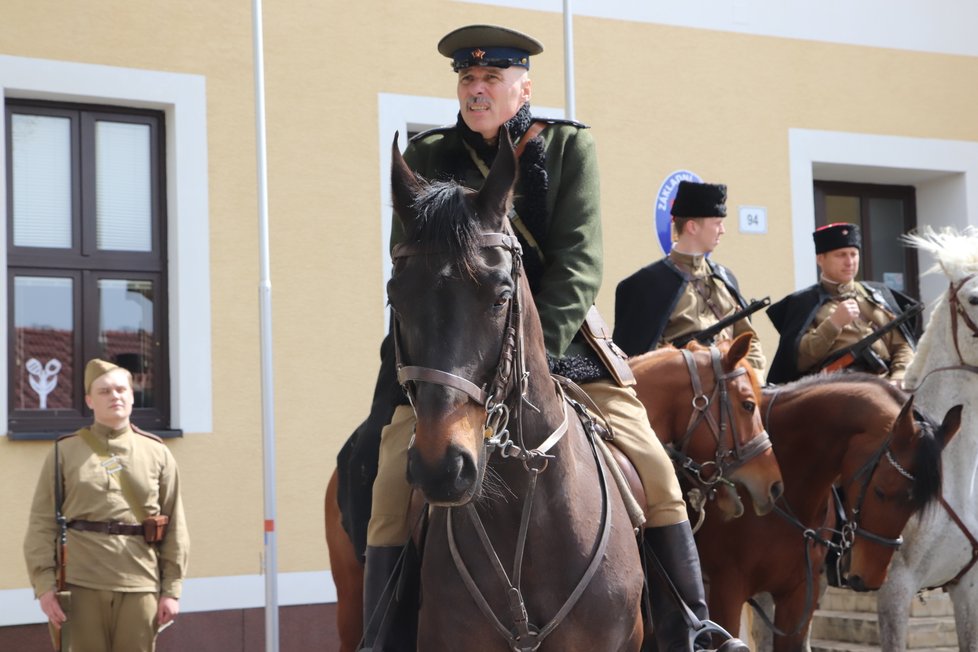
(86, 260)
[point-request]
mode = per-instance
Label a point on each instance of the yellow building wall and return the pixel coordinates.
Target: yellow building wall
(658, 98)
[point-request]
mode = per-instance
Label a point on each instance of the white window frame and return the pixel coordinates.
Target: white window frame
(182, 99)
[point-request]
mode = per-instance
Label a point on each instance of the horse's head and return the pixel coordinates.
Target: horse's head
(702, 403)
(454, 290)
(951, 336)
(748, 460)
(886, 485)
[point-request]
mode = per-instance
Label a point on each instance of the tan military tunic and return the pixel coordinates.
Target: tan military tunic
(96, 560)
(824, 338)
(703, 302)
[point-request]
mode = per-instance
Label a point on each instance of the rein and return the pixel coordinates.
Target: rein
(510, 376)
(726, 460)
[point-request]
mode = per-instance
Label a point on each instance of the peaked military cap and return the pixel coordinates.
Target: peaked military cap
(488, 45)
(95, 369)
(700, 200)
(836, 236)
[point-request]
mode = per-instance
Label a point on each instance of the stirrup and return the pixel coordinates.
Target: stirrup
(708, 627)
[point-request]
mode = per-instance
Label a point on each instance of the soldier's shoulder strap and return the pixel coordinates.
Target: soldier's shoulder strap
(148, 435)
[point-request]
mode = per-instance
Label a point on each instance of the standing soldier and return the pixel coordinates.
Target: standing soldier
(685, 292)
(117, 489)
(839, 311)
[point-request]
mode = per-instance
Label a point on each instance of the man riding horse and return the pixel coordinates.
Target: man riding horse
(556, 216)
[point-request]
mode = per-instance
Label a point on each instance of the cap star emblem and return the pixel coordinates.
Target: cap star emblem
(478, 54)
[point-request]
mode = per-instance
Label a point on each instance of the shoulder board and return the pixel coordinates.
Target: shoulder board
(561, 121)
(140, 431)
(431, 132)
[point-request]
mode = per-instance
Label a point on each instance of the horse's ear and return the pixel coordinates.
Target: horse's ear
(405, 185)
(492, 204)
(739, 349)
(951, 424)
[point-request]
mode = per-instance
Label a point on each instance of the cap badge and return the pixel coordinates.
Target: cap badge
(478, 54)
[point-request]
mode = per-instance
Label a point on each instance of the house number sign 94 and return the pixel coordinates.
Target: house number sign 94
(753, 219)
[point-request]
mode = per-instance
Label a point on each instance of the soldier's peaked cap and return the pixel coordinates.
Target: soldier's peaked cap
(488, 45)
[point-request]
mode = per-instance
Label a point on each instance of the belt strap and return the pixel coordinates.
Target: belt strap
(111, 527)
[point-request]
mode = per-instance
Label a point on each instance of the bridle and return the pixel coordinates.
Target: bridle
(958, 311)
(852, 528)
(726, 459)
(509, 383)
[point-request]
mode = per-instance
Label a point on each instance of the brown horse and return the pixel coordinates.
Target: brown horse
(853, 428)
(702, 404)
(508, 469)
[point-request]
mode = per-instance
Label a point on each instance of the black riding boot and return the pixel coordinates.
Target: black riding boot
(378, 590)
(674, 547)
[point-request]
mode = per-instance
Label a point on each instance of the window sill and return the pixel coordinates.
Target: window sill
(51, 435)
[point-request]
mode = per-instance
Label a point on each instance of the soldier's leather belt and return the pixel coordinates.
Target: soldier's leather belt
(111, 527)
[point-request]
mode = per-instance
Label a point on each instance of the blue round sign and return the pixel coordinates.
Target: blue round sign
(663, 205)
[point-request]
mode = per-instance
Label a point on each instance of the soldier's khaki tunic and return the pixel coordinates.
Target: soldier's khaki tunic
(100, 561)
(824, 338)
(703, 302)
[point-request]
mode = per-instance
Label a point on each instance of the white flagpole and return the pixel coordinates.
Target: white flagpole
(569, 109)
(270, 566)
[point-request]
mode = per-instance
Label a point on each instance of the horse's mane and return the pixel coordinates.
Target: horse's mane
(956, 252)
(445, 220)
(927, 461)
(806, 383)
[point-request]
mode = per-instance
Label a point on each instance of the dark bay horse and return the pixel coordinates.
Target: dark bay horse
(528, 545)
(703, 405)
(852, 428)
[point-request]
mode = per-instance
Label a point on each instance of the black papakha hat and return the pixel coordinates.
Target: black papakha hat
(700, 200)
(488, 45)
(837, 236)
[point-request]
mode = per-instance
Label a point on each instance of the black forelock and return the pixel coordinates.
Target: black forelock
(927, 462)
(445, 220)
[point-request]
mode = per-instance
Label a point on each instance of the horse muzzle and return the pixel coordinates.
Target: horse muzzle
(450, 482)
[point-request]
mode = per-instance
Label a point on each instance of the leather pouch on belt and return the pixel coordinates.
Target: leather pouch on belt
(154, 528)
(598, 335)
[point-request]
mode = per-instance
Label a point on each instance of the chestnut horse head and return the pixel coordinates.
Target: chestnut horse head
(702, 403)
(899, 477)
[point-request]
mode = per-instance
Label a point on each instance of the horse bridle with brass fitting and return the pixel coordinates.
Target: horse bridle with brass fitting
(726, 460)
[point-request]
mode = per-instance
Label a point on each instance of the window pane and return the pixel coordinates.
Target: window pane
(43, 343)
(126, 332)
(886, 225)
(122, 186)
(42, 181)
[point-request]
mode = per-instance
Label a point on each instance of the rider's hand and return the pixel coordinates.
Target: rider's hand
(52, 609)
(845, 313)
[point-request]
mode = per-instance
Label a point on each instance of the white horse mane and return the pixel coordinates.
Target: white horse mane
(956, 252)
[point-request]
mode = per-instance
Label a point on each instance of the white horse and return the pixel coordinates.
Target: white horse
(940, 546)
